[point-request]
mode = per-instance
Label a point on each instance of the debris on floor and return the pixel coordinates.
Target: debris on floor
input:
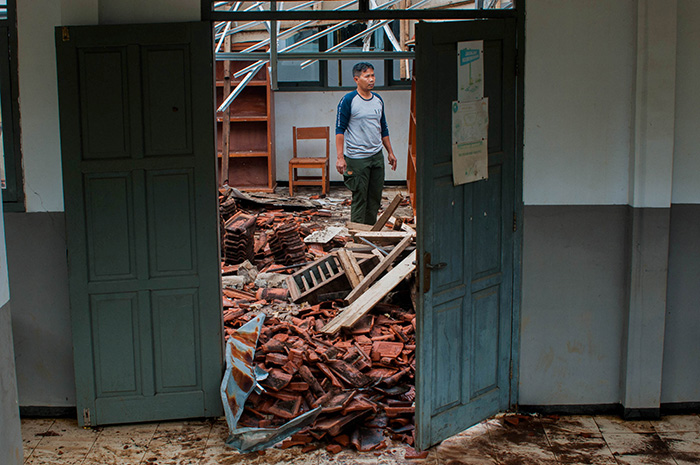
(334, 362)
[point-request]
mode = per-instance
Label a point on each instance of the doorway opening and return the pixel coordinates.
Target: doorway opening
(363, 377)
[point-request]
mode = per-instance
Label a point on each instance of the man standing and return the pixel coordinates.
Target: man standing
(360, 132)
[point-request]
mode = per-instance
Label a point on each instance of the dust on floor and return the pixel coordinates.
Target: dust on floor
(502, 440)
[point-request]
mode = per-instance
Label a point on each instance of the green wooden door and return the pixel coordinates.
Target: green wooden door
(465, 313)
(137, 138)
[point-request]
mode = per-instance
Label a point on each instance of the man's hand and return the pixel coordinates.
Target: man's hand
(392, 161)
(340, 165)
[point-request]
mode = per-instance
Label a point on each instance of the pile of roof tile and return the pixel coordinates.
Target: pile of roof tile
(239, 238)
(286, 244)
(362, 379)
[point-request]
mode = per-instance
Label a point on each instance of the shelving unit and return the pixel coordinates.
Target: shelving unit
(245, 132)
(411, 158)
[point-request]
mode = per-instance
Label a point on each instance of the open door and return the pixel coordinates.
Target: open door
(465, 237)
(137, 138)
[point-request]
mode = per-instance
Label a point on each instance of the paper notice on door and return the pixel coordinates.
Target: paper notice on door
(470, 121)
(469, 162)
(470, 125)
(470, 70)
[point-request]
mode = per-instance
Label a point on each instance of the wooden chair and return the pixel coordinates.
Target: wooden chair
(297, 162)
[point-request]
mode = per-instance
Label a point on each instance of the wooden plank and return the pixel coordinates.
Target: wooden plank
(352, 313)
(381, 237)
(387, 213)
(358, 226)
(350, 272)
(379, 269)
(355, 265)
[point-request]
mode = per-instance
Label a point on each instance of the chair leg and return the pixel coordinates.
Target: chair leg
(324, 180)
(291, 181)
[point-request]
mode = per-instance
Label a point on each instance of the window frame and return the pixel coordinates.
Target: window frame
(13, 197)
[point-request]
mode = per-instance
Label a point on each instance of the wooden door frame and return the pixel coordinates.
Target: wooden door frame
(518, 13)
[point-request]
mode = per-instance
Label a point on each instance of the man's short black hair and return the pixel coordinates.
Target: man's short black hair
(360, 68)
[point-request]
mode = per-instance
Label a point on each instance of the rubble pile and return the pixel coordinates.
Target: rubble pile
(337, 348)
(362, 379)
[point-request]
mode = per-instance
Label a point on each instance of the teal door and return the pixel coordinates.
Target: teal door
(137, 138)
(466, 234)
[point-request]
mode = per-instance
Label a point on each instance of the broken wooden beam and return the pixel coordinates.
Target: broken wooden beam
(384, 217)
(372, 296)
(373, 275)
(351, 267)
(381, 237)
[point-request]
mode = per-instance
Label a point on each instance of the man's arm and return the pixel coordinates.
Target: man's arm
(390, 151)
(339, 147)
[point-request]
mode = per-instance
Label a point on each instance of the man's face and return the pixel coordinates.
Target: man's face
(365, 81)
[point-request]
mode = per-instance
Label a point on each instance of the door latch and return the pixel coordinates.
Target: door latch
(428, 268)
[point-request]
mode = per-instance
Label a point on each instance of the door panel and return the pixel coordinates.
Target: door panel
(171, 222)
(116, 344)
(109, 220)
(142, 220)
(167, 112)
(465, 316)
(105, 114)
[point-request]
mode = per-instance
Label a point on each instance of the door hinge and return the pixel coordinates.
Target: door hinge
(515, 222)
(86, 417)
(510, 370)
(65, 35)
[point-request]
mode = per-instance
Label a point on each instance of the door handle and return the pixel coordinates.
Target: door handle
(429, 267)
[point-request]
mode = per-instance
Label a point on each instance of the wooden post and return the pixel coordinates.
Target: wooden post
(226, 125)
(403, 36)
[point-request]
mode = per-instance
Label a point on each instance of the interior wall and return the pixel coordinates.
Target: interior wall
(592, 117)
(36, 246)
(319, 109)
(574, 290)
(579, 112)
(151, 11)
(686, 155)
(579, 76)
(10, 434)
(681, 376)
(38, 103)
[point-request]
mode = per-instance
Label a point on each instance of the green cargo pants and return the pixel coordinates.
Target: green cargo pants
(365, 179)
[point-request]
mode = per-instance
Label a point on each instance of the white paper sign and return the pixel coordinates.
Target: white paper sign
(470, 70)
(470, 162)
(470, 125)
(470, 121)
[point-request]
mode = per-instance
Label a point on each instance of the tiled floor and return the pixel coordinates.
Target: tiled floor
(510, 440)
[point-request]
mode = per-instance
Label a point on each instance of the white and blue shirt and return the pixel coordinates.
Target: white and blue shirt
(363, 123)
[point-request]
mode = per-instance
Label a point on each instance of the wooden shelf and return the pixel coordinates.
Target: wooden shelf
(247, 127)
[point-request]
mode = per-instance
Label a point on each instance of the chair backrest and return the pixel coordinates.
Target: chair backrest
(318, 132)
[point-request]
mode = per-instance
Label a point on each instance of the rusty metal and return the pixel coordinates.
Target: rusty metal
(240, 379)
